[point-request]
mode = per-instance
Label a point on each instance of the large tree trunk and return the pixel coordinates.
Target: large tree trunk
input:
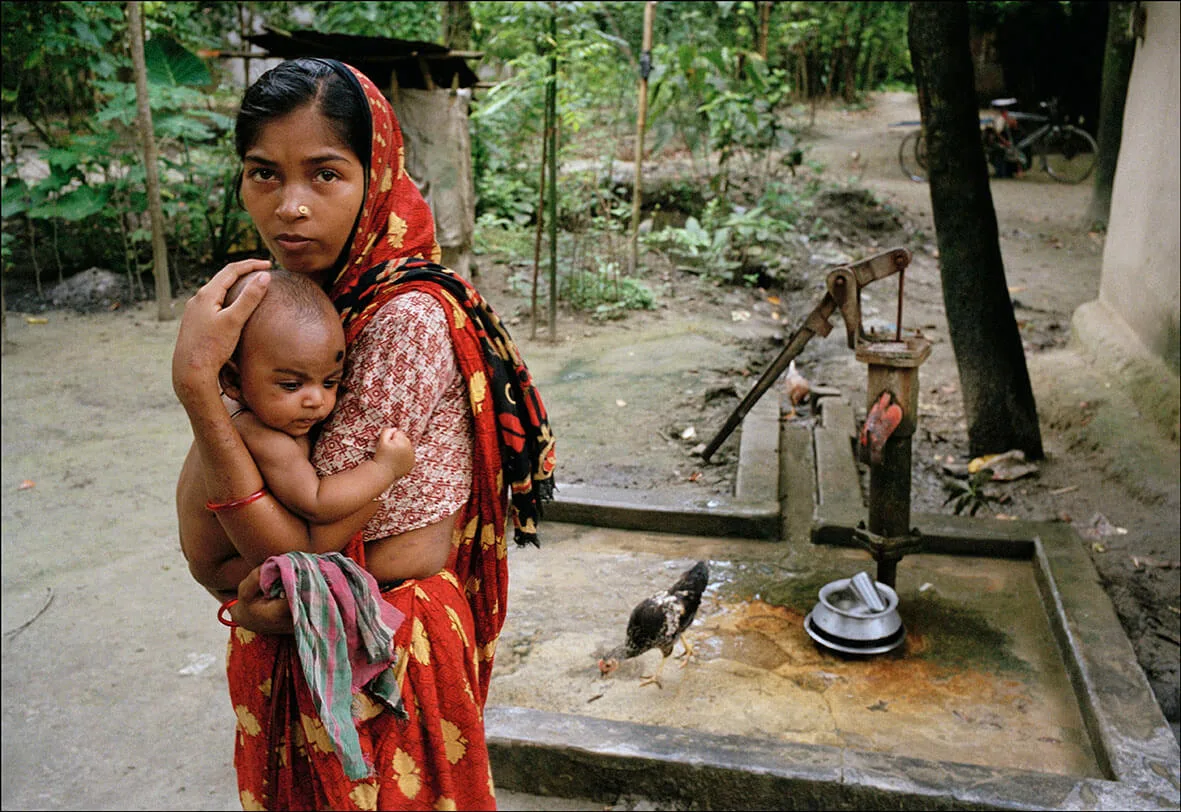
(998, 399)
(1117, 70)
(148, 139)
(457, 25)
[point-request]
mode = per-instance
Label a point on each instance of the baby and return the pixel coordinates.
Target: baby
(280, 383)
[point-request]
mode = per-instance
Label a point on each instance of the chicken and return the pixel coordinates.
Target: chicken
(797, 387)
(659, 621)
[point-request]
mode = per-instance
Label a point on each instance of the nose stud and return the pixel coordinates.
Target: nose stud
(304, 211)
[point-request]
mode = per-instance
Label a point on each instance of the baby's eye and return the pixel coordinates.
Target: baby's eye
(289, 386)
(331, 384)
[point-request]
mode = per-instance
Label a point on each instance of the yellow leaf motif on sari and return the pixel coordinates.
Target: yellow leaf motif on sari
(316, 734)
(365, 708)
(453, 741)
(469, 530)
(249, 802)
(406, 773)
(264, 688)
(477, 392)
(457, 625)
(436, 253)
(457, 314)
(401, 161)
(244, 635)
(420, 644)
(488, 537)
(246, 721)
(387, 179)
(364, 796)
(445, 805)
(396, 231)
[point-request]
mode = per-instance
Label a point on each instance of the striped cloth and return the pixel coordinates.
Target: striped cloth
(344, 635)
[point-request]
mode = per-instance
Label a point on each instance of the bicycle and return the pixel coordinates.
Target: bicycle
(1063, 151)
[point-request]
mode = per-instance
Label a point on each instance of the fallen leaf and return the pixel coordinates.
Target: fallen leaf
(621, 403)
(1099, 548)
(739, 315)
(26, 484)
(696, 475)
(773, 300)
(1060, 491)
(36, 320)
(1006, 517)
(689, 433)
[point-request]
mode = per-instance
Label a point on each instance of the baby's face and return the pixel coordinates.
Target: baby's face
(291, 371)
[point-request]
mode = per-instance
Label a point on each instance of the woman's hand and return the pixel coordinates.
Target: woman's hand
(257, 611)
(208, 332)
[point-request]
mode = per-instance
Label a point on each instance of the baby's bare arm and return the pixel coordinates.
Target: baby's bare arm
(293, 480)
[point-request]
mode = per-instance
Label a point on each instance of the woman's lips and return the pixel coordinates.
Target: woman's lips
(293, 242)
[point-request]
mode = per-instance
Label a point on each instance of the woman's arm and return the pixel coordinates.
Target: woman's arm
(206, 340)
(418, 553)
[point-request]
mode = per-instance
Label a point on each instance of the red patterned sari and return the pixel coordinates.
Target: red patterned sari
(492, 458)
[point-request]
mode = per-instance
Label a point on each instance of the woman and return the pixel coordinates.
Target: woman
(324, 182)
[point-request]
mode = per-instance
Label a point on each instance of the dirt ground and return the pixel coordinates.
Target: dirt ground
(1107, 471)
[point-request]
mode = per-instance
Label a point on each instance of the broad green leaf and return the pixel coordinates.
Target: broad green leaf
(170, 63)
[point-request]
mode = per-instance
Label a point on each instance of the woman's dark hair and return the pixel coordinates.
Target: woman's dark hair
(298, 82)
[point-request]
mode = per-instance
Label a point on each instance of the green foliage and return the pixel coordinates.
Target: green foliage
(970, 495)
(712, 97)
(90, 207)
(397, 19)
(604, 293)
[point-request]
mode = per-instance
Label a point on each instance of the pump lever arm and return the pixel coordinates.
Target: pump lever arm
(816, 324)
(844, 293)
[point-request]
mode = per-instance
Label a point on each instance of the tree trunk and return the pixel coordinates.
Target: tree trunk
(148, 139)
(764, 27)
(1117, 70)
(998, 398)
(457, 25)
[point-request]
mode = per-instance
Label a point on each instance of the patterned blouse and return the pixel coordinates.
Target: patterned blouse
(401, 371)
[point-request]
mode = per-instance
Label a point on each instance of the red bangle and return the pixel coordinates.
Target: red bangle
(237, 503)
(223, 618)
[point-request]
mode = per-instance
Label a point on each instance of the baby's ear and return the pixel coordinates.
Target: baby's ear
(231, 381)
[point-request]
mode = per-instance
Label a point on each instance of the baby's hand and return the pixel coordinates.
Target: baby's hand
(395, 452)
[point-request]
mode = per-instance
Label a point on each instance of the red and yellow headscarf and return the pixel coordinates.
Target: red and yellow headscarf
(393, 251)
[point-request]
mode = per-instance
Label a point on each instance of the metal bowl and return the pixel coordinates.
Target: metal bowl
(856, 616)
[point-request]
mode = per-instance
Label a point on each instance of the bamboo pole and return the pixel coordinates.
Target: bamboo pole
(148, 137)
(552, 105)
(641, 124)
(540, 216)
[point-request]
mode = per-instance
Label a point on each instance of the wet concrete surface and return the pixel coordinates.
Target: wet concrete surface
(978, 681)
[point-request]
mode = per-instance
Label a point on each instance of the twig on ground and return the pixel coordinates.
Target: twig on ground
(30, 621)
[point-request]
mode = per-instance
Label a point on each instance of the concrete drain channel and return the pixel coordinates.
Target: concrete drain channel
(799, 485)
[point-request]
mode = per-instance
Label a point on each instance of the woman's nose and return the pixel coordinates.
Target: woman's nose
(290, 205)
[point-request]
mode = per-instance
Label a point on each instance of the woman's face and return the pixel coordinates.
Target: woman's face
(303, 187)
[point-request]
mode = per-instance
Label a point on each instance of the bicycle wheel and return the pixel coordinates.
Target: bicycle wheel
(1069, 154)
(912, 156)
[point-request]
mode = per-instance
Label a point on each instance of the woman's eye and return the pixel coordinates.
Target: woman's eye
(326, 175)
(261, 173)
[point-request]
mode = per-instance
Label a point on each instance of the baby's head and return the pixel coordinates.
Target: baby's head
(289, 360)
